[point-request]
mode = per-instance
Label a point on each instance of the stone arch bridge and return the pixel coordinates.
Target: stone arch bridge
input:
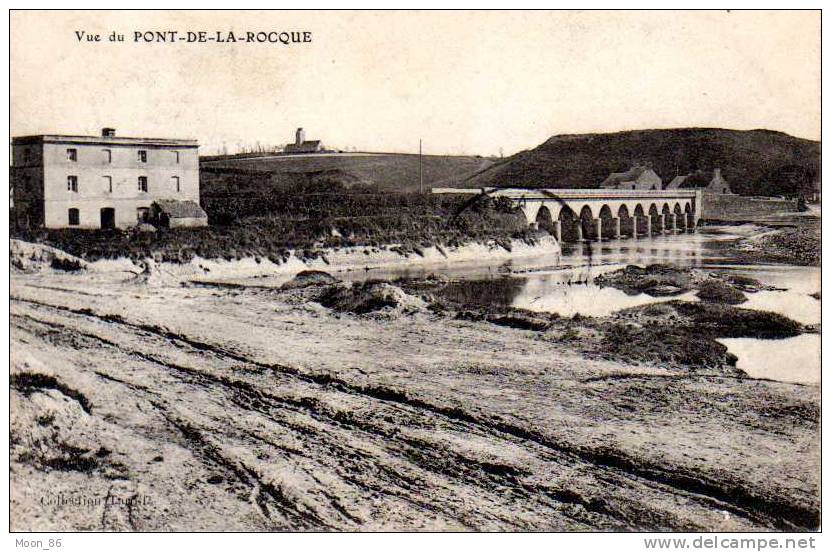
(595, 214)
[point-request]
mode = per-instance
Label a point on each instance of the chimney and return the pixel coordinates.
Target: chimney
(300, 136)
(108, 132)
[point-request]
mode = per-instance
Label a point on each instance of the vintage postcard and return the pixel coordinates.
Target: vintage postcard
(415, 271)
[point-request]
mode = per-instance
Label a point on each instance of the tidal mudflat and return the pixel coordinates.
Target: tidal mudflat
(389, 405)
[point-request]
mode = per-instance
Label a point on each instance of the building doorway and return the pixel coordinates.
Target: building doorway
(107, 218)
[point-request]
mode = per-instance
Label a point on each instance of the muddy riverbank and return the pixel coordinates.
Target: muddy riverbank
(796, 244)
(683, 334)
(33, 257)
(374, 406)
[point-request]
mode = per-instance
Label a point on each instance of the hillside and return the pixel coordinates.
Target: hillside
(380, 171)
(753, 162)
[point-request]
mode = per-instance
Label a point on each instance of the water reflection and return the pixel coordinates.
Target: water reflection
(500, 292)
(693, 249)
(571, 291)
(795, 359)
(795, 283)
(545, 295)
(564, 292)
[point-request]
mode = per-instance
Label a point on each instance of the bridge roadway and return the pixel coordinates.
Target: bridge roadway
(596, 214)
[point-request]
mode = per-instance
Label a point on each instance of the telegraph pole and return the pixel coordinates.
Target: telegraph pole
(420, 169)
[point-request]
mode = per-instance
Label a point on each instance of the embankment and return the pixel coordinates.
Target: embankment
(341, 260)
(737, 208)
(250, 218)
(33, 257)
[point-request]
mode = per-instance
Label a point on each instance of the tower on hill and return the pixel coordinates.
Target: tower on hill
(301, 145)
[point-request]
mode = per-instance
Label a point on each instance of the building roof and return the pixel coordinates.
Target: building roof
(632, 175)
(104, 140)
(616, 178)
(676, 182)
(701, 178)
(306, 145)
(174, 208)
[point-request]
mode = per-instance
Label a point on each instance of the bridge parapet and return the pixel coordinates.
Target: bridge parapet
(569, 193)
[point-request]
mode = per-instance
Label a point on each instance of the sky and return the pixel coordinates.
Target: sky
(463, 82)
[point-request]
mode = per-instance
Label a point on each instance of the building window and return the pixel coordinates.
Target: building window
(143, 214)
(27, 156)
(74, 217)
(142, 156)
(108, 184)
(71, 154)
(176, 183)
(108, 156)
(176, 153)
(72, 183)
(142, 183)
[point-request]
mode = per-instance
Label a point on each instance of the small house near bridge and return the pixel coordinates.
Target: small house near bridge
(638, 177)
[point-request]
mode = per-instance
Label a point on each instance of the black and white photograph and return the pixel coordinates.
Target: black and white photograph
(415, 271)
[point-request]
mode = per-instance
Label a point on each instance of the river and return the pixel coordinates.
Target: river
(565, 286)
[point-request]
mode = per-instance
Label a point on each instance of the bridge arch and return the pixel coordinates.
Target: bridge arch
(653, 214)
(568, 224)
(605, 211)
(623, 211)
(587, 223)
(579, 206)
(642, 221)
(689, 216)
(608, 223)
(530, 209)
(666, 211)
(626, 226)
(680, 221)
(543, 219)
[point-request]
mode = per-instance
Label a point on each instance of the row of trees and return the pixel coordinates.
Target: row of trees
(264, 148)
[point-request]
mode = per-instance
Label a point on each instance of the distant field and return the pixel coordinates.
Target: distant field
(397, 172)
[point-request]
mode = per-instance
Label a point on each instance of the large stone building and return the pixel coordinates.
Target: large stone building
(101, 181)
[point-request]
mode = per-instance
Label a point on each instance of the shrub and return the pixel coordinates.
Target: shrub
(68, 265)
(715, 291)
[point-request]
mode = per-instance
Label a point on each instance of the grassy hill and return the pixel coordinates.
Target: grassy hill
(753, 162)
(382, 171)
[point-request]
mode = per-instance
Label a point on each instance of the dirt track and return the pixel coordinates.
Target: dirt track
(232, 409)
